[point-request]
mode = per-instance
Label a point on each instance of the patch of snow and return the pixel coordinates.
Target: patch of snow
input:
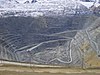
(89, 4)
(48, 7)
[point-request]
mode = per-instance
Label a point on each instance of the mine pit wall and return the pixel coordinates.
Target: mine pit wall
(78, 51)
(88, 43)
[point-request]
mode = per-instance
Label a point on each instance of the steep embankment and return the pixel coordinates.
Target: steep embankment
(87, 41)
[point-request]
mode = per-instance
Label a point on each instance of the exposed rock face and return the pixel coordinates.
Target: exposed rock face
(65, 39)
(33, 1)
(87, 41)
(43, 40)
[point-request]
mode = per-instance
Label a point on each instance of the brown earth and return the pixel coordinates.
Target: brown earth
(22, 70)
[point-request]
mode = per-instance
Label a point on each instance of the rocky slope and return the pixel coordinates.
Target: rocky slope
(60, 35)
